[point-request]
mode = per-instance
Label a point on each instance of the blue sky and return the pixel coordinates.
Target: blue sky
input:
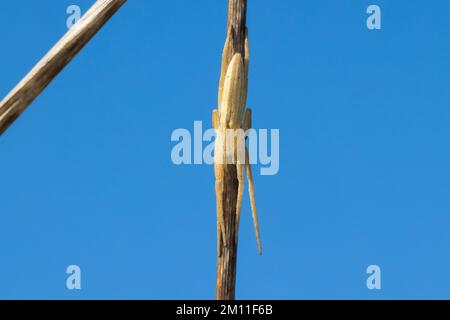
(364, 179)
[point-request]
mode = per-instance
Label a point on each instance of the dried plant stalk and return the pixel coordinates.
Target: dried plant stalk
(55, 60)
(232, 114)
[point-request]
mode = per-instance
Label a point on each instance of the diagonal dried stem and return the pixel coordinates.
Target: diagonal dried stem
(55, 60)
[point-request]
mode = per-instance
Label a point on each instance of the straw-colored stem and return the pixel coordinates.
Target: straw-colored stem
(55, 60)
(227, 261)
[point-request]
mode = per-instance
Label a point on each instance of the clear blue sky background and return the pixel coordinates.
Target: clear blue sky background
(364, 179)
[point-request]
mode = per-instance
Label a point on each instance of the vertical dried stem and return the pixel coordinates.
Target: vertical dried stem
(226, 263)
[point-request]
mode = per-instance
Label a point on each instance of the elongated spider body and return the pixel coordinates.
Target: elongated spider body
(231, 120)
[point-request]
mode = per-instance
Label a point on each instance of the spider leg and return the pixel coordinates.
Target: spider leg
(215, 123)
(251, 191)
(227, 54)
(221, 236)
(240, 195)
(251, 185)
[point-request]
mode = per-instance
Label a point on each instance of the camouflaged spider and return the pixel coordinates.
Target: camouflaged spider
(232, 115)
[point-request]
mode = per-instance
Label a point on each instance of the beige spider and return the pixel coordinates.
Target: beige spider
(230, 121)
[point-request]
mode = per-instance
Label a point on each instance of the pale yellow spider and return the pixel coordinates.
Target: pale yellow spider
(233, 116)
